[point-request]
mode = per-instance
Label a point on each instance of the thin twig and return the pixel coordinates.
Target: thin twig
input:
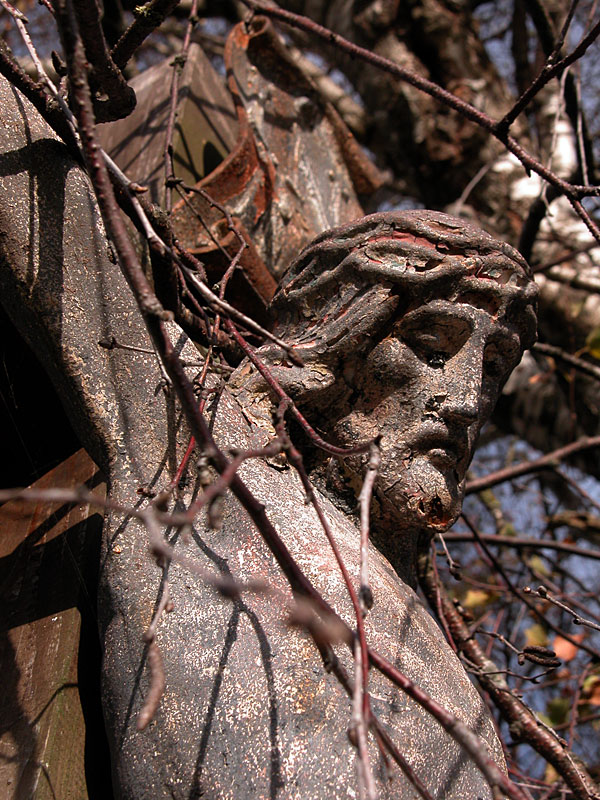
(525, 725)
(364, 502)
(568, 358)
(165, 600)
(453, 566)
(359, 729)
(549, 461)
(218, 304)
(541, 591)
(111, 96)
(147, 18)
(497, 129)
(156, 689)
(552, 68)
(499, 570)
(45, 105)
(178, 65)
(332, 664)
(523, 543)
(281, 395)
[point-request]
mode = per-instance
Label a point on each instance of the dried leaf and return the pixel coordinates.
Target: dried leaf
(564, 649)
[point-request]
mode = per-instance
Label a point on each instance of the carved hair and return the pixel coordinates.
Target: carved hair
(350, 280)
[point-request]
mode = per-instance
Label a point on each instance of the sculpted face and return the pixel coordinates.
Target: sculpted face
(409, 324)
(426, 389)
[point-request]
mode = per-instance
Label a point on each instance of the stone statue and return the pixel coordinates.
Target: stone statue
(408, 324)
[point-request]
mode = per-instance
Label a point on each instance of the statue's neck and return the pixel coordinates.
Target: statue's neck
(400, 546)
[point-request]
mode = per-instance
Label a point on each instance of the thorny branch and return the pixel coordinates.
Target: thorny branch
(154, 315)
(88, 46)
(498, 129)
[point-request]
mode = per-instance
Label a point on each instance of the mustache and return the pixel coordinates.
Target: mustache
(435, 434)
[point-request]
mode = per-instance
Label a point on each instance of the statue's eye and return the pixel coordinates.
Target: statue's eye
(434, 337)
(437, 360)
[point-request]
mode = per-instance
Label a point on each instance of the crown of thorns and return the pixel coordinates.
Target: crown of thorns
(418, 255)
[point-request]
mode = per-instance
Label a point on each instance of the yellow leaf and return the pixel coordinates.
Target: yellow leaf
(489, 499)
(475, 597)
(558, 709)
(538, 565)
(592, 343)
(536, 635)
(508, 529)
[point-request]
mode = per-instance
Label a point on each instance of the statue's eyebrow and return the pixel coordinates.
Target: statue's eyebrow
(440, 307)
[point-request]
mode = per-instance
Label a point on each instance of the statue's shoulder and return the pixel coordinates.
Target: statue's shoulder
(249, 710)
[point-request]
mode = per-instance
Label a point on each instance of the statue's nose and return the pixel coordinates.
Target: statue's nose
(462, 387)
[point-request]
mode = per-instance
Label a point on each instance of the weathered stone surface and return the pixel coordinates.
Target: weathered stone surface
(248, 710)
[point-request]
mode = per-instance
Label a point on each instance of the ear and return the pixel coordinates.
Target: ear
(314, 386)
(317, 389)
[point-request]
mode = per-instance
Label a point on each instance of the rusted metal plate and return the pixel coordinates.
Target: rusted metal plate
(47, 552)
(212, 144)
(296, 169)
(244, 184)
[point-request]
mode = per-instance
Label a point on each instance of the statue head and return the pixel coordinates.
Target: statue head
(409, 323)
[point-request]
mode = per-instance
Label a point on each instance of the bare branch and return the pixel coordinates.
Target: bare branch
(364, 502)
(523, 723)
(549, 461)
(541, 591)
(568, 358)
(147, 18)
(156, 689)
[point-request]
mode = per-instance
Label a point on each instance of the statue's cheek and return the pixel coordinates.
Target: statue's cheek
(356, 427)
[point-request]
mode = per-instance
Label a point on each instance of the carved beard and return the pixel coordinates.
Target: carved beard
(415, 490)
(424, 498)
